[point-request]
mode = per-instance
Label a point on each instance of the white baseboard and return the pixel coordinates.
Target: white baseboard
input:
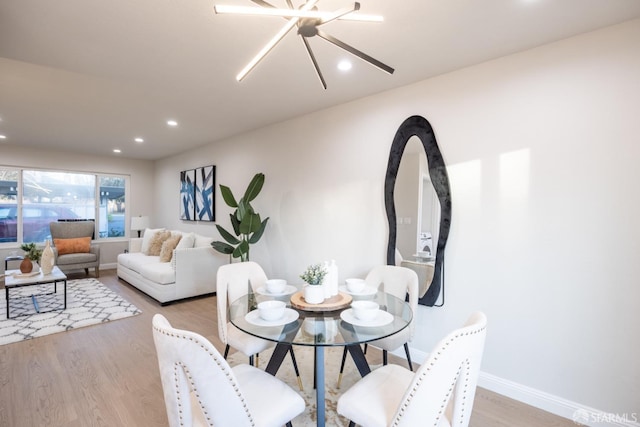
(545, 401)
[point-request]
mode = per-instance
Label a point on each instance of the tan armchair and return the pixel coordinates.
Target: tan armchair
(72, 247)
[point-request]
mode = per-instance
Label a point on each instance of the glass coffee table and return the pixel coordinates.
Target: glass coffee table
(14, 279)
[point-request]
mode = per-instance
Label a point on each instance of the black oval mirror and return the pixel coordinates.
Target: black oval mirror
(419, 126)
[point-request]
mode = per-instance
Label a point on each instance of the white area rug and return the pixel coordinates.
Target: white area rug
(89, 302)
(304, 357)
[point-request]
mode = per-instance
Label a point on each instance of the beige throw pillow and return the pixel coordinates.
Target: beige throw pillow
(155, 245)
(168, 246)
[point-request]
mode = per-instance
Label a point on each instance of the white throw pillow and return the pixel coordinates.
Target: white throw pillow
(187, 241)
(202, 241)
(149, 233)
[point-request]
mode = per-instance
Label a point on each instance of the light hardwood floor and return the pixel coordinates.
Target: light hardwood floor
(107, 375)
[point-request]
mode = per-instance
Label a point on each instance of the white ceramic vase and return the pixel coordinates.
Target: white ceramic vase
(46, 260)
(314, 294)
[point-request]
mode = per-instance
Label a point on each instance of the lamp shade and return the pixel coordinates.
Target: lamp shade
(139, 223)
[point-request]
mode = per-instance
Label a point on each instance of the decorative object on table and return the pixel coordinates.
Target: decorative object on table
(204, 201)
(313, 276)
(187, 195)
(336, 302)
(47, 260)
(89, 302)
(32, 253)
(330, 282)
(139, 223)
(247, 224)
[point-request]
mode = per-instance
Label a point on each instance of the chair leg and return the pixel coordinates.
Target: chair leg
(352, 424)
(251, 360)
(97, 272)
(257, 359)
(366, 346)
(384, 357)
(295, 368)
(344, 359)
(86, 271)
(406, 350)
(226, 351)
(289, 424)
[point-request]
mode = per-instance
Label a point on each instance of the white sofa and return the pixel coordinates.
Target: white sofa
(191, 271)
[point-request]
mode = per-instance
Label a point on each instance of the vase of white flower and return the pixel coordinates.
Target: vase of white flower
(313, 290)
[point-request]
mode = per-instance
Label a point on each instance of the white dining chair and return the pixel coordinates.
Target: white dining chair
(397, 281)
(233, 281)
(440, 393)
(201, 389)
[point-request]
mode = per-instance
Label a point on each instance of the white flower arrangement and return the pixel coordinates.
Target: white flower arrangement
(314, 274)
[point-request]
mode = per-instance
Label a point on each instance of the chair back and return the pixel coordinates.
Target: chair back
(72, 229)
(397, 281)
(232, 283)
(190, 363)
(446, 382)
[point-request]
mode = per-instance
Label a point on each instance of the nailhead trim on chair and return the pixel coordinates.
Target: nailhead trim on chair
(419, 381)
(190, 378)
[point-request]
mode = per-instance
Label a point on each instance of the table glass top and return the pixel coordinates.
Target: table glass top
(333, 328)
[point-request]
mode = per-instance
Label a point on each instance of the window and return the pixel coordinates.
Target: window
(31, 199)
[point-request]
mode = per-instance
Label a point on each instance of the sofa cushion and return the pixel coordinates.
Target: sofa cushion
(135, 260)
(168, 246)
(187, 241)
(149, 233)
(161, 273)
(155, 246)
(72, 246)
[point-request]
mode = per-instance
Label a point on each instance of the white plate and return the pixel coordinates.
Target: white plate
(367, 291)
(254, 318)
(383, 318)
(287, 291)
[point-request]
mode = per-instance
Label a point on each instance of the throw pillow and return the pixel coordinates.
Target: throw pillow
(149, 233)
(186, 241)
(155, 246)
(72, 246)
(168, 246)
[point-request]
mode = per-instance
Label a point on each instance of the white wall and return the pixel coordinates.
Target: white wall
(140, 201)
(542, 149)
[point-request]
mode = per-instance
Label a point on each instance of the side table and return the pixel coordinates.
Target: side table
(8, 259)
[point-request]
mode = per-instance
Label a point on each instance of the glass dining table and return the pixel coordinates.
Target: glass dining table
(320, 329)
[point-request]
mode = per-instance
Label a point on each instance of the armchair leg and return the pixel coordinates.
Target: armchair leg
(86, 271)
(97, 272)
(226, 351)
(384, 357)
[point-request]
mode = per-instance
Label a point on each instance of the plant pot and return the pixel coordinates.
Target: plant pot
(26, 266)
(314, 294)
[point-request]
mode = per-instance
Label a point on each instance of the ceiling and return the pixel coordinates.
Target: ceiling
(91, 75)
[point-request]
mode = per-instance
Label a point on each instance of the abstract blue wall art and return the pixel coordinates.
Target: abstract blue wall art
(205, 183)
(187, 195)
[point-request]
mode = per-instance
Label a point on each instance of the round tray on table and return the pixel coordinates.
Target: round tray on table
(336, 302)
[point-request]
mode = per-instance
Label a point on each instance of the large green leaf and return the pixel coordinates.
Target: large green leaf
(222, 247)
(230, 238)
(235, 224)
(258, 233)
(241, 250)
(227, 195)
(242, 209)
(250, 223)
(254, 188)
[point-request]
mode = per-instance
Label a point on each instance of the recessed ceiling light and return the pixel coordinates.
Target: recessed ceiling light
(139, 140)
(344, 65)
(172, 123)
(117, 150)
(3, 137)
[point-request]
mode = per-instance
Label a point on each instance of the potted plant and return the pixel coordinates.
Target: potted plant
(247, 224)
(313, 277)
(32, 253)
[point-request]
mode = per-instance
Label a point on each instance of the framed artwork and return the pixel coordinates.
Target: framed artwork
(187, 195)
(205, 183)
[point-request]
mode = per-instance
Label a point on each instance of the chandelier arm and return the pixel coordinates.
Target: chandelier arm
(314, 62)
(271, 44)
(340, 13)
(356, 52)
(264, 4)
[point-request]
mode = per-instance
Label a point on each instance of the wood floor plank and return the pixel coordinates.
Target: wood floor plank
(107, 374)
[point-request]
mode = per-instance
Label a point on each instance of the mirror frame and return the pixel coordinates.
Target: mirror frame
(420, 127)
